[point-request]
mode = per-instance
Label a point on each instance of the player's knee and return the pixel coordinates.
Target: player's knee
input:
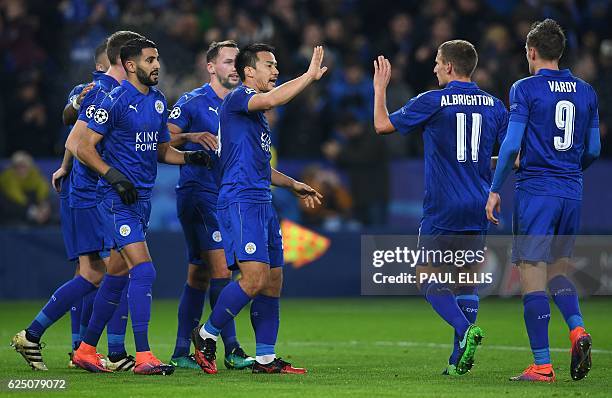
(254, 283)
(220, 273)
(92, 275)
(198, 278)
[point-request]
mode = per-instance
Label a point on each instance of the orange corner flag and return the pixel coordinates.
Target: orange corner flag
(301, 245)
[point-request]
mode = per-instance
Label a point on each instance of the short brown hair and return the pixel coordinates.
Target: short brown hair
(548, 38)
(461, 54)
(116, 41)
(216, 46)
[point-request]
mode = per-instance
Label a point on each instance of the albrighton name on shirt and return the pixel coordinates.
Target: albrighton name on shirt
(466, 99)
(146, 141)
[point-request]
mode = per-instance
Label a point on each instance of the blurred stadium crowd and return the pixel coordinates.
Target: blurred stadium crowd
(46, 47)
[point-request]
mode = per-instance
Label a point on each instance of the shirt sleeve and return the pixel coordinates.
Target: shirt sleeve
(239, 100)
(88, 106)
(180, 115)
(105, 116)
(414, 114)
(164, 134)
(503, 123)
(519, 107)
(594, 123)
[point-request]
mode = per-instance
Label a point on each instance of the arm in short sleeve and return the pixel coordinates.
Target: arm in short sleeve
(105, 116)
(519, 106)
(180, 115)
(164, 134)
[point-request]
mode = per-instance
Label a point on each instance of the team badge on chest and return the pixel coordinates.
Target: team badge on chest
(159, 106)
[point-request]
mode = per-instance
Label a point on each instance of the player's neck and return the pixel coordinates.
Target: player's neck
(218, 88)
(143, 88)
(462, 79)
(116, 72)
(250, 84)
(552, 65)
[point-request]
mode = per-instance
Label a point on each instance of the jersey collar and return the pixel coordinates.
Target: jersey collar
(554, 73)
(208, 88)
(459, 84)
(107, 79)
(133, 90)
(97, 75)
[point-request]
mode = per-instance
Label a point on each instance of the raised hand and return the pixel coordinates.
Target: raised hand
(314, 70)
(382, 73)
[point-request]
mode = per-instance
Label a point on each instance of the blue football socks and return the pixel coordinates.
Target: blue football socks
(564, 295)
(140, 297)
(190, 310)
(443, 302)
(115, 330)
(228, 333)
(468, 301)
(60, 303)
(105, 304)
(265, 318)
(231, 300)
(537, 316)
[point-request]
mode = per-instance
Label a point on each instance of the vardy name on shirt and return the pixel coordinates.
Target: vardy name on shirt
(562, 87)
(466, 99)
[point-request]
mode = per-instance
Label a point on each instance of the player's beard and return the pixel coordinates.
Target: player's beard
(145, 78)
(228, 84)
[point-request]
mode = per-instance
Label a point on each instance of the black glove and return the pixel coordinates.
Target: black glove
(201, 158)
(126, 190)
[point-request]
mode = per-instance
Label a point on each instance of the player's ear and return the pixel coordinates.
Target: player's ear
(130, 66)
(531, 53)
(210, 68)
(249, 71)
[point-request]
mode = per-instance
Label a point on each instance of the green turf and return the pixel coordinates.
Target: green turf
(360, 347)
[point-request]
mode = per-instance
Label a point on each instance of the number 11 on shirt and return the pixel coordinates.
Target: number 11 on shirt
(462, 139)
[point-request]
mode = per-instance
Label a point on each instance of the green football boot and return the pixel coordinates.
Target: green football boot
(238, 359)
(185, 362)
(467, 348)
(451, 370)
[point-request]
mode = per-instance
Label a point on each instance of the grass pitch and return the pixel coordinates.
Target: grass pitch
(359, 347)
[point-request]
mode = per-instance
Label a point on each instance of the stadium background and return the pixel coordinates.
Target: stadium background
(325, 136)
(353, 346)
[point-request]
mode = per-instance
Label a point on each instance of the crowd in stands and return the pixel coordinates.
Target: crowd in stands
(46, 47)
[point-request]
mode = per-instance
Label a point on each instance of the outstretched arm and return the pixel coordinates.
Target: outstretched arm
(170, 155)
(178, 138)
(382, 75)
(310, 196)
(287, 91)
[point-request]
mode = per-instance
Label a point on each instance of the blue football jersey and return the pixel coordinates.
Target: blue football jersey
(198, 111)
(461, 124)
(245, 156)
(74, 93)
(558, 109)
(132, 125)
(83, 179)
